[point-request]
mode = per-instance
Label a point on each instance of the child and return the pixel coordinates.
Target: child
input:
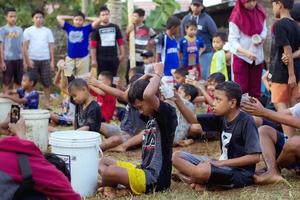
(87, 113)
(218, 63)
(11, 41)
(180, 75)
(166, 49)
(39, 52)
(148, 58)
(78, 42)
(190, 47)
(27, 95)
(154, 173)
(239, 144)
(105, 101)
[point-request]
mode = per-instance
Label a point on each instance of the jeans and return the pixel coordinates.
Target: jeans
(205, 62)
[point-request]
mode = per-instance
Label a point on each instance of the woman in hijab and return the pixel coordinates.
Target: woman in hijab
(247, 31)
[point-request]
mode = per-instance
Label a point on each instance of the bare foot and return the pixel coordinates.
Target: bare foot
(119, 148)
(115, 193)
(184, 143)
(268, 178)
(181, 177)
(197, 187)
(261, 171)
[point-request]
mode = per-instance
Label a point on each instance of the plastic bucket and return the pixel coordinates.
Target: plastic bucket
(37, 122)
(5, 106)
(80, 150)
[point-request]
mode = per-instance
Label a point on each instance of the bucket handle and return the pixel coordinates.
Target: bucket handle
(100, 151)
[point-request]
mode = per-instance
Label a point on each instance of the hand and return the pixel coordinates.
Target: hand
(3, 95)
(92, 81)
(285, 59)
(3, 66)
(158, 68)
(130, 28)
(292, 81)
(19, 128)
(94, 64)
(251, 56)
(253, 107)
(29, 64)
(121, 58)
(4, 124)
(52, 66)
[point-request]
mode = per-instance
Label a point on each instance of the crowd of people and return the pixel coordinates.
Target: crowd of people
(191, 82)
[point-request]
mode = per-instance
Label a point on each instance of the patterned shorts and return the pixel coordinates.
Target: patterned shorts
(42, 68)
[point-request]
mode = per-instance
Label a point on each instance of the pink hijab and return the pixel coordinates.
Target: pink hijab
(250, 22)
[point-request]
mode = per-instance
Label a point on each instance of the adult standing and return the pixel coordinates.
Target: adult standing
(247, 31)
(104, 45)
(207, 28)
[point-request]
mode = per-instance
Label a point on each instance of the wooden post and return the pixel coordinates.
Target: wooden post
(131, 36)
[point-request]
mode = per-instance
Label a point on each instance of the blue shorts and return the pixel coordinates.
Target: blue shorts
(64, 121)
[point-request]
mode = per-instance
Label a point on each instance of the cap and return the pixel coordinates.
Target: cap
(147, 54)
(199, 2)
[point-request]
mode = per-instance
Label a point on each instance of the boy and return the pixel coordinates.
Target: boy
(78, 42)
(148, 58)
(39, 51)
(104, 44)
(87, 112)
(27, 95)
(218, 63)
(284, 78)
(166, 49)
(239, 144)
(11, 41)
(154, 173)
(180, 75)
(190, 47)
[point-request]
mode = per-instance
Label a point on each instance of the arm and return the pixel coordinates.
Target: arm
(122, 53)
(2, 63)
(84, 128)
(15, 99)
(96, 22)
(94, 63)
(265, 81)
(187, 113)
(51, 48)
(289, 54)
(238, 162)
(97, 90)
(264, 33)
(62, 18)
(206, 96)
(26, 54)
(57, 78)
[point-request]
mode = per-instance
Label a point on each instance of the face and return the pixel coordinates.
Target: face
(182, 94)
(249, 4)
(217, 43)
(143, 107)
(196, 9)
(11, 18)
(179, 78)
(104, 17)
(38, 20)
(276, 9)
(148, 60)
(191, 31)
(79, 95)
(136, 19)
(78, 21)
(222, 105)
(211, 86)
(26, 83)
(104, 80)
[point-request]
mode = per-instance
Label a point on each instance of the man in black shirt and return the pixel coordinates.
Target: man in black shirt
(104, 45)
(239, 143)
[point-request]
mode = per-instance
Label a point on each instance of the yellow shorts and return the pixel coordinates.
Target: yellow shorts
(137, 177)
(77, 66)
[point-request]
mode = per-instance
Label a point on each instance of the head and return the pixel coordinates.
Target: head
(227, 98)
(180, 75)
(213, 80)
(58, 163)
(79, 91)
(136, 99)
(134, 71)
(138, 16)
(191, 28)
(280, 5)
(104, 14)
(197, 7)
(135, 78)
(106, 78)
(188, 92)
(78, 19)
(29, 80)
(219, 41)
(173, 25)
(11, 16)
(295, 12)
(38, 18)
(148, 57)
(249, 4)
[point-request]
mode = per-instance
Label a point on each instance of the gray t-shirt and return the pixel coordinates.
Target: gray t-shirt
(12, 38)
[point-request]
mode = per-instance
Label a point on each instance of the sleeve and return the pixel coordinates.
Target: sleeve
(94, 39)
(119, 36)
(264, 33)
(234, 38)
(281, 34)
(295, 111)
(251, 138)
(26, 35)
(20, 92)
(89, 28)
(211, 26)
(67, 26)
(50, 36)
(210, 122)
(94, 118)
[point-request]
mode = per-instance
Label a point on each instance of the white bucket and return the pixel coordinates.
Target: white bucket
(37, 122)
(80, 150)
(5, 106)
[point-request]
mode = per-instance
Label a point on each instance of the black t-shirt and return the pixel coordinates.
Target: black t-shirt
(90, 116)
(286, 32)
(107, 37)
(239, 137)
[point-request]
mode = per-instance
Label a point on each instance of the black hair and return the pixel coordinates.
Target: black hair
(7, 10)
(217, 77)
(190, 90)
(102, 9)
(182, 71)
(135, 78)
(173, 21)
(140, 12)
(137, 70)
(79, 14)
(32, 76)
(287, 4)
(37, 12)
(136, 91)
(77, 83)
(232, 91)
(107, 75)
(295, 12)
(191, 23)
(58, 163)
(221, 35)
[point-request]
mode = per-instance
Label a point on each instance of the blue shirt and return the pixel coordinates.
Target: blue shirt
(190, 50)
(31, 97)
(78, 40)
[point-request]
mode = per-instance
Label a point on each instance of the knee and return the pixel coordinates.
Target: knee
(264, 131)
(176, 155)
(109, 172)
(195, 129)
(292, 145)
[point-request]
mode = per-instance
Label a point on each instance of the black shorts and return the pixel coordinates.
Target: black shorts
(110, 65)
(14, 70)
(42, 68)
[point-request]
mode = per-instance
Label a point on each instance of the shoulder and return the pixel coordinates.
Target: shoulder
(166, 109)
(94, 106)
(186, 17)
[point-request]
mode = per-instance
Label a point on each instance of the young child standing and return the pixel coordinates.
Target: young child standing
(11, 41)
(190, 47)
(154, 173)
(218, 63)
(77, 59)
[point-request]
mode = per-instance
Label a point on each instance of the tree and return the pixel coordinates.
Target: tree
(115, 7)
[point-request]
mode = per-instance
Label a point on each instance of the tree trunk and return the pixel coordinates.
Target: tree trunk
(84, 6)
(115, 7)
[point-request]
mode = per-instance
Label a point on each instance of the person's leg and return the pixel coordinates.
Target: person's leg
(129, 143)
(289, 131)
(82, 66)
(18, 73)
(254, 82)
(205, 62)
(195, 131)
(111, 142)
(7, 76)
(46, 78)
(54, 118)
(290, 153)
(70, 67)
(240, 71)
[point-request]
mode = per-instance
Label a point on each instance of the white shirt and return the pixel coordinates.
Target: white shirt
(39, 39)
(295, 110)
(238, 39)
